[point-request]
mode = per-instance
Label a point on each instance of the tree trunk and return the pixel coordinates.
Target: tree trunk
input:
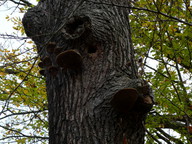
(94, 93)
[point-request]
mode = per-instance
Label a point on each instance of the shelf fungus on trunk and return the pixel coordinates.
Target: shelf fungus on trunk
(53, 70)
(41, 65)
(42, 72)
(143, 104)
(124, 100)
(58, 50)
(50, 47)
(138, 100)
(47, 61)
(146, 98)
(69, 59)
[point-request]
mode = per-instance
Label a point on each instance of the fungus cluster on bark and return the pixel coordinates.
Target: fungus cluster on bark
(75, 28)
(69, 59)
(58, 50)
(50, 47)
(130, 100)
(124, 100)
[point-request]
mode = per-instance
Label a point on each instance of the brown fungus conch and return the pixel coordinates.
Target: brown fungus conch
(58, 50)
(144, 104)
(69, 59)
(47, 61)
(53, 70)
(41, 65)
(123, 101)
(42, 72)
(50, 47)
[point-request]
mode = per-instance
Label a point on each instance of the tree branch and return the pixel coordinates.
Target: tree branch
(163, 138)
(7, 100)
(24, 2)
(143, 9)
(22, 133)
(169, 137)
(21, 113)
(152, 136)
(9, 36)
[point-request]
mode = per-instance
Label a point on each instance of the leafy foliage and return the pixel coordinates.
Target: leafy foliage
(23, 111)
(161, 35)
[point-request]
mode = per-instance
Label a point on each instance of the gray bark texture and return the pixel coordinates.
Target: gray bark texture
(94, 93)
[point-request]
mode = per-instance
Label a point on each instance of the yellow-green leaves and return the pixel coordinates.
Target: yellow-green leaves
(23, 110)
(161, 32)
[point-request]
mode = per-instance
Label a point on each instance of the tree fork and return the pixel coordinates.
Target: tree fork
(88, 104)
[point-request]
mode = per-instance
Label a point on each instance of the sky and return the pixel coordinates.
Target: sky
(6, 27)
(7, 9)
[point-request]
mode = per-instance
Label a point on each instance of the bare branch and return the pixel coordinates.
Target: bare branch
(8, 36)
(22, 135)
(22, 113)
(151, 135)
(169, 137)
(144, 9)
(163, 138)
(7, 100)
(22, 2)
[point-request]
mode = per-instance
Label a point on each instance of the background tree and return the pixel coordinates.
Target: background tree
(160, 35)
(23, 111)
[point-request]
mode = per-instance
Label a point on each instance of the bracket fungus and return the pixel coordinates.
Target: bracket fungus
(123, 101)
(144, 104)
(42, 72)
(47, 61)
(50, 47)
(41, 65)
(58, 50)
(53, 70)
(69, 59)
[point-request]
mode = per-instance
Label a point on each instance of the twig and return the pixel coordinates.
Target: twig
(143, 9)
(24, 3)
(7, 100)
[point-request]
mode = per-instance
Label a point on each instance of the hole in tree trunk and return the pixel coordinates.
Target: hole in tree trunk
(71, 27)
(77, 23)
(92, 49)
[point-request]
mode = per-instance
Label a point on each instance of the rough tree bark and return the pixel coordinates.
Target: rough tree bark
(94, 93)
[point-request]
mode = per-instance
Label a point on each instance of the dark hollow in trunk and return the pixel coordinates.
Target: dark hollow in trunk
(94, 93)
